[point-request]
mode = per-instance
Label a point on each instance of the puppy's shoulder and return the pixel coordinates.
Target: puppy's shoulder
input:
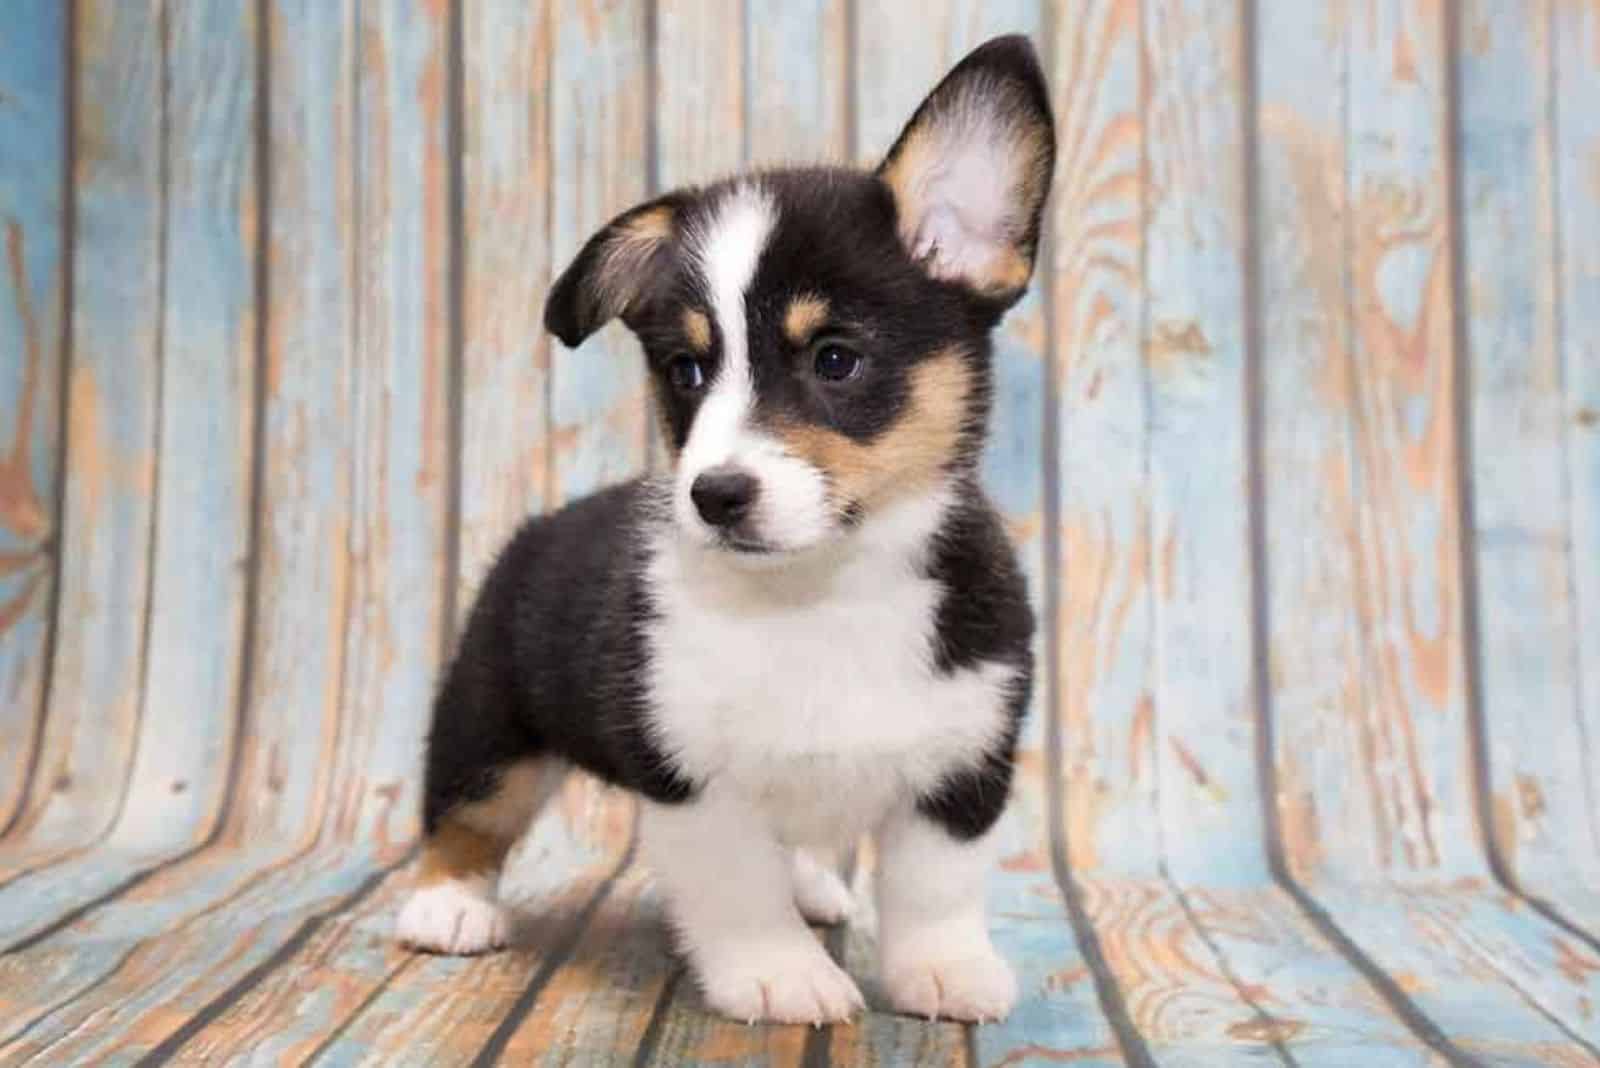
(984, 614)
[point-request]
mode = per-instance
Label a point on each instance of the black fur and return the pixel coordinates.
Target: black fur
(552, 660)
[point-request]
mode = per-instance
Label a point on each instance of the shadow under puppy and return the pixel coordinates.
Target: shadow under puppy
(814, 626)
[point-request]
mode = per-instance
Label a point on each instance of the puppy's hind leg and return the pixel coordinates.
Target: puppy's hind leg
(454, 908)
(484, 781)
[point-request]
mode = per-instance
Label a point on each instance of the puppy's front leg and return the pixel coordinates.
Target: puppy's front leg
(933, 940)
(729, 893)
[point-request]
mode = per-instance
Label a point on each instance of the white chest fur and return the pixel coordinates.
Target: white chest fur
(813, 693)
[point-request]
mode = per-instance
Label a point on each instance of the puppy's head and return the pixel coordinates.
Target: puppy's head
(818, 339)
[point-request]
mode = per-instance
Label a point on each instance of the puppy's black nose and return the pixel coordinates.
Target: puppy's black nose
(723, 495)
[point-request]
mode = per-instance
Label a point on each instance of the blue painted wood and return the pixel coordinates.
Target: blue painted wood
(598, 412)
(33, 129)
(1194, 352)
(182, 757)
(795, 55)
(110, 471)
(1106, 708)
(1575, 48)
(303, 606)
(400, 414)
(1541, 763)
(506, 447)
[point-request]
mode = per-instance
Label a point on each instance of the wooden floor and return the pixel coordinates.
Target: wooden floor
(1299, 432)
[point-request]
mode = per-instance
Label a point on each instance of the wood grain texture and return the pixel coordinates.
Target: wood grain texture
(1104, 565)
(598, 100)
(33, 57)
(399, 417)
(135, 973)
(698, 98)
(208, 366)
(303, 610)
(201, 519)
(113, 410)
(1414, 744)
(796, 84)
(1542, 766)
(1194, 351)
(1575, 34)
(505, 171)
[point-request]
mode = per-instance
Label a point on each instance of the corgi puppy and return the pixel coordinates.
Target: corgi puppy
(813, 627)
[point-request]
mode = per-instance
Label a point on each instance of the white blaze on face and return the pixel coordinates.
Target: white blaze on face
(790, 511)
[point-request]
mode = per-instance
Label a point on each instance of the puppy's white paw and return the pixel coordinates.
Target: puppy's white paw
(787, 983)
(450, 918)
(969, 982)
(820, 894)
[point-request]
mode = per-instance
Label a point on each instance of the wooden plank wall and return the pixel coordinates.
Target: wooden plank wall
(1298, 432)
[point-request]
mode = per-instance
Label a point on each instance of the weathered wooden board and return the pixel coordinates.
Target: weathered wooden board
(796, 60)
(1576, 50)
(1540, 760)
(181, 753)
(302, 608)
(598, 136)
(33, 243)
(1205, 714)
(505, 460)
(1103, 561)
(110, 468)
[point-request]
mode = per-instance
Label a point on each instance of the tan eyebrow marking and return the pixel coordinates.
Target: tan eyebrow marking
(697, 328)
(805, 315)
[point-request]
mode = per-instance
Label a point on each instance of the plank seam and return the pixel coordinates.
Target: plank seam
(852, 117)
(158, 429)
(1471, 602)
(1129, 1040)
(18, 1035)
(547, 472)
(1558, 270)
(658, 1018)
(168, 1048)
(1397, 1001)
(1528, 998)
(456, 339)
(66, 305)
(366, 1003)
(494, 1048)
(251, 617)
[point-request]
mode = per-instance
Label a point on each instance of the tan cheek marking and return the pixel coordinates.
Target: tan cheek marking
(804, 317)
(697, 328)
(909, 454)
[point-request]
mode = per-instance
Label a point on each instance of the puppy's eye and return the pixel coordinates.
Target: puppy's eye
(686, 373)
(834, 362)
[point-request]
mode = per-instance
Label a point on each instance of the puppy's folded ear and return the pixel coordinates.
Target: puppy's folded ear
(971, 170)
(613, 271)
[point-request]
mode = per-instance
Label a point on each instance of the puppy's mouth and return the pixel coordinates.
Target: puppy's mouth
(744, 545)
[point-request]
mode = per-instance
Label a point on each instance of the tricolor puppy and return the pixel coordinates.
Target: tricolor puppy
(814, 626)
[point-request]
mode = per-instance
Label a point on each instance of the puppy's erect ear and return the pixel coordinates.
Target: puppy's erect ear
(613, 271)
(971, 170)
